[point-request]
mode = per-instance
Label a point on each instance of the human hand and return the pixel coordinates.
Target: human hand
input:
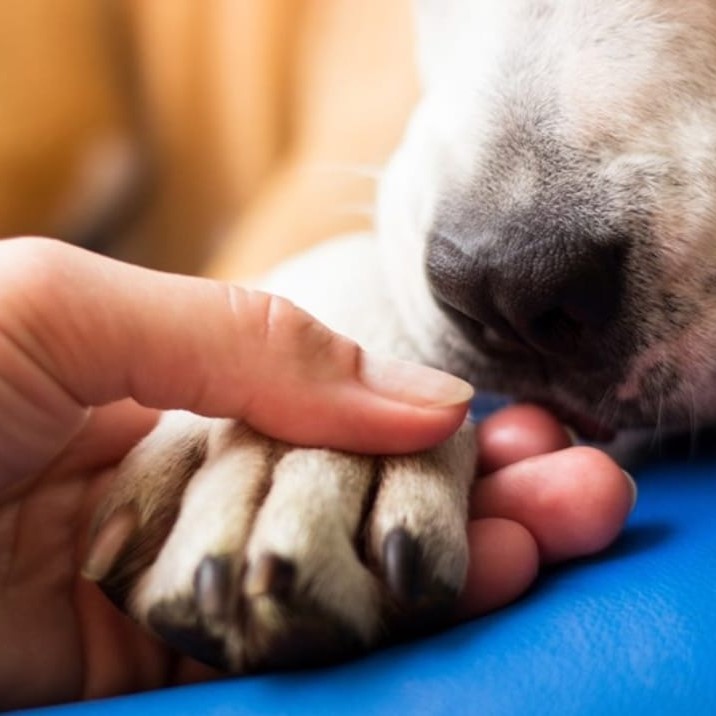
(89, 346)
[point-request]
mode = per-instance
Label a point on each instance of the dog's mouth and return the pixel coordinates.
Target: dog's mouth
(579, 389)
(518, 370)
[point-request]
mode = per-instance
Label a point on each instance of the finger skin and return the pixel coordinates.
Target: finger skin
(516, 433)
(504, 561)
(574, 502)
(543, 509)
(81, 330)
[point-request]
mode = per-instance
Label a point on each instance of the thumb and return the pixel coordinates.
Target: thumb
(79, 330)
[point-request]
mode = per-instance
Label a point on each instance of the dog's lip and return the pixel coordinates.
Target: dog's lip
(586, 426)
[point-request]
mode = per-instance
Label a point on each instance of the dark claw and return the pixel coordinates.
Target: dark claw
(270, 575)
(212, 587)
(176, 623)
(402, 563)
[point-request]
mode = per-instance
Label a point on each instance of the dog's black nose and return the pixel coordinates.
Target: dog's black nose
(554, 294)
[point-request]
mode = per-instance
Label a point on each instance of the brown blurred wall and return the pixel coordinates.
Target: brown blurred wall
(190, 134)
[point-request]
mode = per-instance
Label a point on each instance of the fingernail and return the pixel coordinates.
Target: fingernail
(634, 489)
(109, 543)
(413, 384)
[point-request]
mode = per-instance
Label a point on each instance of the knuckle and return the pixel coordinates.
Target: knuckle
(283, 319)
(286, 332)
(260, 315)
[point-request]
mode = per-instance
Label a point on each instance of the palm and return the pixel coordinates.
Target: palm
(62, 640)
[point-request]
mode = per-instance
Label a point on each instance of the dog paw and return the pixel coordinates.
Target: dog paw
(249, 554)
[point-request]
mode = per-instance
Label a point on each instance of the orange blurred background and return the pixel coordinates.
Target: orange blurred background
(198, 135)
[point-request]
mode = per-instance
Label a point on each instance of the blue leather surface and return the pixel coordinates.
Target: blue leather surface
(629, 632)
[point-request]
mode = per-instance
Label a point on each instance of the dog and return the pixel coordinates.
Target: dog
(546, 228)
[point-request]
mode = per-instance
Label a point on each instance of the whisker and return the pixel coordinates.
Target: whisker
(657, 435)
(693, 424)
(600, 408)
(607, 409)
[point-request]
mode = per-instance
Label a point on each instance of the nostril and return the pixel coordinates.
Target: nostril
(555, 330)
(563, 327)
(501, 342)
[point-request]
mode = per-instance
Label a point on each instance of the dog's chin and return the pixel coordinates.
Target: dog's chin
(600, 421)
(585, 402)
(590, 419)
(597, 422)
